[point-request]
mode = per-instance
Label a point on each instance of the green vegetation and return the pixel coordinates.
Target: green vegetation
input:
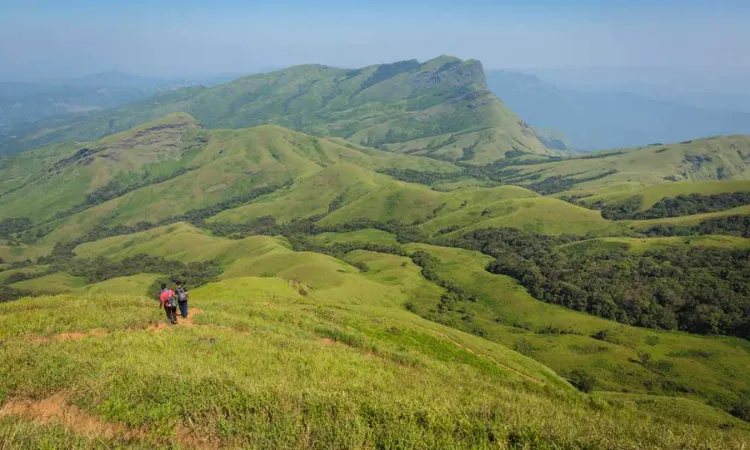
(339, 288)
(701, 290)
(440, 108)
(682, 205)
(320, 376)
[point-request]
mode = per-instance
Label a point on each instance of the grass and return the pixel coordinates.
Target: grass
(35, 269)
(266, 367)
(52, 284)
(694, 219)
(15, 253)
(133, 285)
(563, 339)
(360, 236)
(400, 106)
(228, 164)
(505, 312)
(697, 161)
(537, 215)
(641, 245)
(649, 195)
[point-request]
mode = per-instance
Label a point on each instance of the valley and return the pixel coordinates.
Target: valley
(382, 257)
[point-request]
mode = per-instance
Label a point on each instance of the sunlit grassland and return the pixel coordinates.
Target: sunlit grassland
(563, 339)
(267, 366)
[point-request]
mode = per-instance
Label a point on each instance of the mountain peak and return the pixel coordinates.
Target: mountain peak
(405, 106)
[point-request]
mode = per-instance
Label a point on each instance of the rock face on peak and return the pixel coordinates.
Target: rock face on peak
(440, 108)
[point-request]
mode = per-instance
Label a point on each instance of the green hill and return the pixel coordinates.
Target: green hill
(282, 369)
(434, 292)
(115, 180)
(440, 108)
(649, 195)
(314, 322)
(718, 158)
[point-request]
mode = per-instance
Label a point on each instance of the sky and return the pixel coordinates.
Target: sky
(47, 39)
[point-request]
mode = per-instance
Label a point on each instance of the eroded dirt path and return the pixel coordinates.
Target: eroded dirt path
(191, 315)
(100, 332)
(56, 409)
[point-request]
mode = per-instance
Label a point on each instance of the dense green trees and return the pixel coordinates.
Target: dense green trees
(8, 293)
(14, 225)
(730, 225)
(700, 290)
(682, 205)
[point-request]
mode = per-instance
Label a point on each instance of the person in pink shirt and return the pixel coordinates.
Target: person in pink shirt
(168, 300)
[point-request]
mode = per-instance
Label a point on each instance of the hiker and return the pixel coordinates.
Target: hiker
(182, 299)
(168, 300)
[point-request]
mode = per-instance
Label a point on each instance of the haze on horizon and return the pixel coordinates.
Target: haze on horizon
(47, 39)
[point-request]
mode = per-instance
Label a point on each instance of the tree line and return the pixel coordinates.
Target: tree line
(682, 205)
(699, 290)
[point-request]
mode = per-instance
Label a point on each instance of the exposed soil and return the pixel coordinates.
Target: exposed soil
(327, 341)
(157, 327)
(56, 409)
(191, 314)
(72, 336)
(100, 332)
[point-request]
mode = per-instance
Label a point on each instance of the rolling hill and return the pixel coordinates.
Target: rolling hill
(426, 293)
(440, 108)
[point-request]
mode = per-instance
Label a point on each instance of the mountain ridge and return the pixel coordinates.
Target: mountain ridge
(400, 106)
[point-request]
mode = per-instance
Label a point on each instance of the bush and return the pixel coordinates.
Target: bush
(742, 410)
(582, 380)
(524, 347)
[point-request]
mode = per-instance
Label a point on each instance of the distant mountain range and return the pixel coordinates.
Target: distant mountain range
(440, 108)
(25, 103)
(602, 119)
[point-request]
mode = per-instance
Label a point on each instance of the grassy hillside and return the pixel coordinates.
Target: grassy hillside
(718, 158)
(649, 195)
(320, 376)
(536, 214)
(115, 180)
(693, 219)
(429, 296)
(441, 107)
(503, 310)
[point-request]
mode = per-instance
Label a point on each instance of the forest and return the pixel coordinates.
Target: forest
(682, 205)
(699, 290)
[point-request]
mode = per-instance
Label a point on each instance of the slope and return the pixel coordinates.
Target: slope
(115, 180)
(649, 195)
(362, 310)
(718, 158)
(268, 367)
(441, 107)
(343, 194)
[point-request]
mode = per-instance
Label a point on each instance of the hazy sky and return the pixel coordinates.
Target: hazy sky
(56, 38)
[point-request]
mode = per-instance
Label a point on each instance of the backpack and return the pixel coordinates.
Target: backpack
(181, 295)
(171, 302)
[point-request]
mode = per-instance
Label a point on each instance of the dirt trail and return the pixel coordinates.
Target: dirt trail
(76, 335)
(56, 409)
(100, 332)
(191, 314)
(68, 336)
